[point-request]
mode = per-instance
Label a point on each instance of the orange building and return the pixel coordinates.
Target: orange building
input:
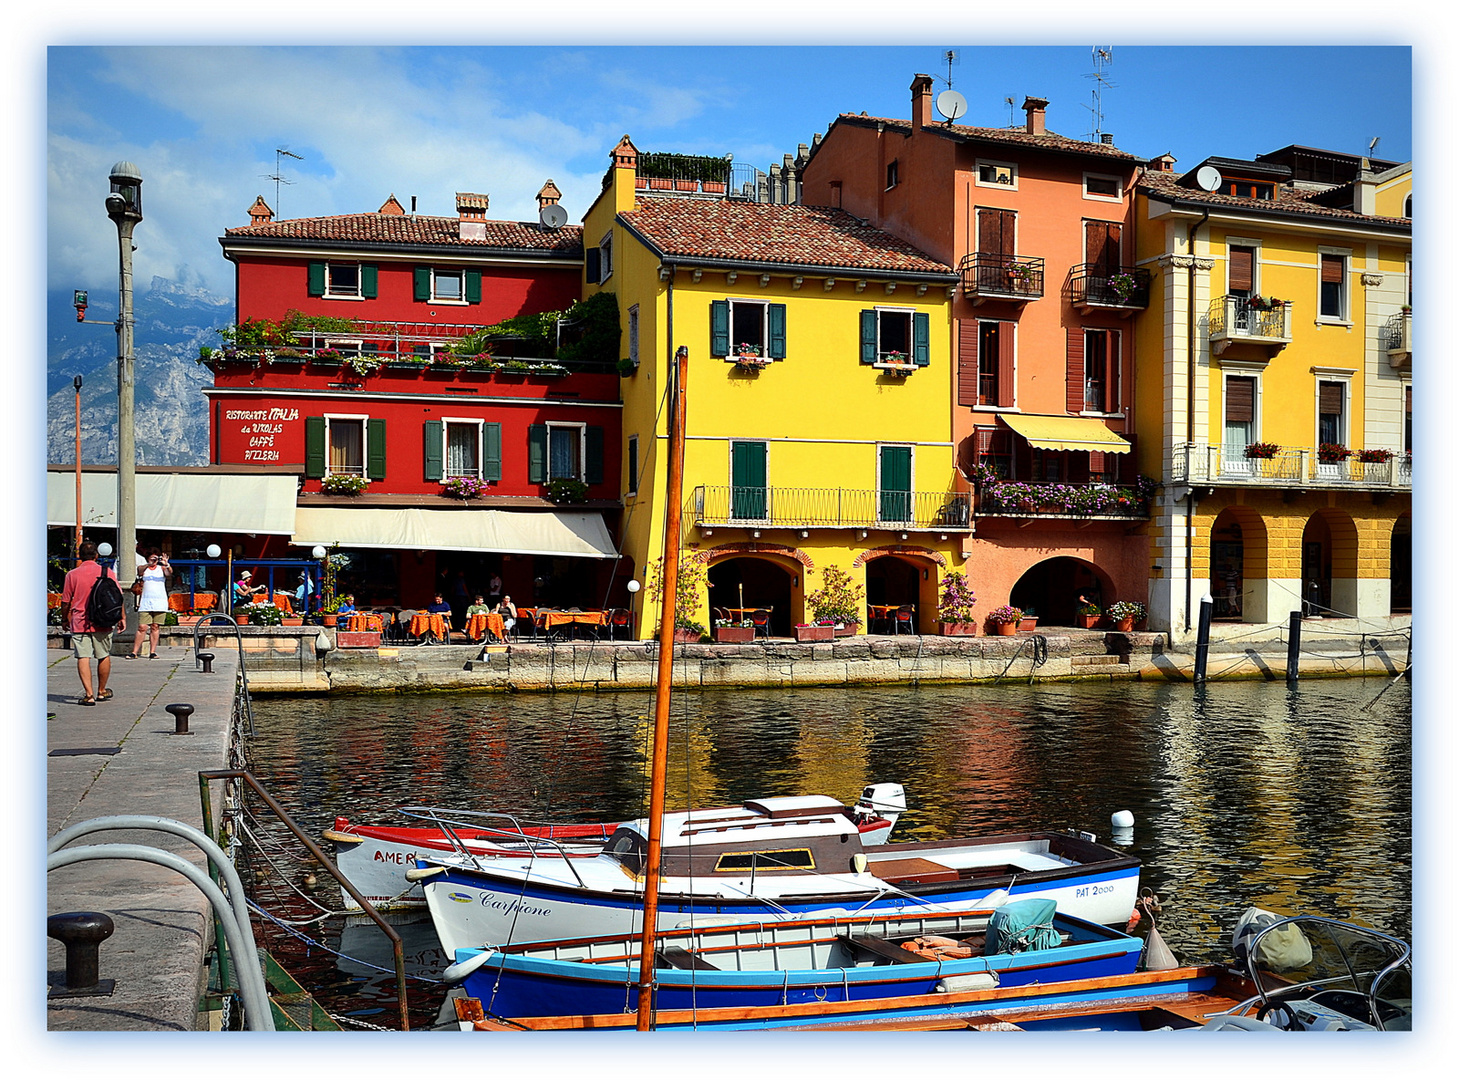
(1040, 228)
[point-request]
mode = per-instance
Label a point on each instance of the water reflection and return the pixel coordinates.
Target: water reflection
(1243, 793)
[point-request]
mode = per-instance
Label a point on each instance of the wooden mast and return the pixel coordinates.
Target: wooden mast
(674, 497)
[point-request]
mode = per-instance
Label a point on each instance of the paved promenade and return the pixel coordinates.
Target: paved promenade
(123, 756)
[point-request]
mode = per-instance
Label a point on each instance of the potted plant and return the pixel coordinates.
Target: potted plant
(259, 615)
(1005, 620)
(1123, 284)
(814, 631)
(566, 490)
(463, 487)
(1030, 620)
(955, 604)
(1261, 450)
(329, 611)
(1333, 453)
(343, 484)
(1375, 457)
(693, 581)
(736, 633)
(1086, 616)
(1125, 614)
(838, 601)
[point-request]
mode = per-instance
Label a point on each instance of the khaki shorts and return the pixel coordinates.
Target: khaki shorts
(148, 618)
(89, 646)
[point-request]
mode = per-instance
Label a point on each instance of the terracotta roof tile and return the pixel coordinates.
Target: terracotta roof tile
(804, 236)
(1011, 136)
(417, 229)
(1167, 185)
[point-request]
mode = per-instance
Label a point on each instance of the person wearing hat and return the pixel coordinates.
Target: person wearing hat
(244, 590)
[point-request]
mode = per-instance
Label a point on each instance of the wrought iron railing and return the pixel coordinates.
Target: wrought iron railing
(1017, 277)
(1290, 466)
(1051, 498)
(1118, 287)
(1237, 317)
(828, 508)
(1398, 333)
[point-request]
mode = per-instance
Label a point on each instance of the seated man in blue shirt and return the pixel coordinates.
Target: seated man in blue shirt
(439, 607)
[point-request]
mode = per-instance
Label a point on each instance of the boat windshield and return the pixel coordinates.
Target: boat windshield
(1356, 971)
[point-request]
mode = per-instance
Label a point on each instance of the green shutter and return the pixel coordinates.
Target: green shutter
(422, 282)
(375, 437)
(719, 342)
(868, 336)
(747, 480)
(777, 331)
(435, 432)
(921, 334)
(896, 483)
(591, 261)
(314, 447)
(369, 281)
(316, 278)
(537, 454)
(491, 451)
(593, 466)
(473, 286)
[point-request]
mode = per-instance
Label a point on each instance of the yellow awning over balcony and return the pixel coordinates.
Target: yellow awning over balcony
(1066, 433)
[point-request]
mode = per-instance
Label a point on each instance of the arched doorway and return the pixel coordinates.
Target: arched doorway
(1228, 567)
(1051, 589)
(749, 581)
(1400, 566)
(892, 580)
(1329, 565)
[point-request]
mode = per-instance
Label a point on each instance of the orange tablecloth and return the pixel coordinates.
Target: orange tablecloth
(424, 622)
(364, 622)
(567, 618)
(745, 612)
(283, 601)
(478, 624)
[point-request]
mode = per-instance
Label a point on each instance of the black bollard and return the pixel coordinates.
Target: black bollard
(207, 662)
(82, 932)
(1294, 646)
(180, 713)
(1203, 638)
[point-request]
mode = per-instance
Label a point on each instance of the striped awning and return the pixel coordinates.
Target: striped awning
(1066, 433)
(187, 502)
(579, 533)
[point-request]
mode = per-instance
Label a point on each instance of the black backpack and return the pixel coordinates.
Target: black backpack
(104, 605)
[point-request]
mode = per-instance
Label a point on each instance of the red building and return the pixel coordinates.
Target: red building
(432, 443)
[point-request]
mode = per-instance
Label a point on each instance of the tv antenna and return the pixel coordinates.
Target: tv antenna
(1012, 110)
(1373, 145)
(951, 58)
(1103, 59)
(278, 174)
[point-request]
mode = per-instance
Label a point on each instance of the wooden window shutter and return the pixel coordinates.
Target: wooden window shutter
(868, 336)
(967, 362)
(921, 338)
(422, 282)
(1329, 398)
(537, 454)
(593, 466)
(1240, 274)
(491, 451)
(314, 460)
(1006, 396)
(1240, 399)
(1074, 378)
(776, 314)
(1102, 245)
(316, 278)
(473, 286)
(1332, 269)
(719, 335)
(996, 231)
(1096, 461)
(369, 281)
(593, 260)
(434, 449)
(1112, 371)
(375, 436)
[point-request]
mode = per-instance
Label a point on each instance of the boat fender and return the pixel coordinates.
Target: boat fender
(458, 971)
(1237, 1023)
(858, 863)
(1158, 956)
(421, 873)
(977, 980)
(342, 838)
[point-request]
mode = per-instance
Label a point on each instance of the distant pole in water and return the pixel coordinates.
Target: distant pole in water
(1294, 646)
(1203, 639)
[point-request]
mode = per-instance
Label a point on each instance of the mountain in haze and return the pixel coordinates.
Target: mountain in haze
(171, 415)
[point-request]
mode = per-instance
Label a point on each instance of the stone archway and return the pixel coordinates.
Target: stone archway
(1237, 566)
(753, 580)
(1051, 589)
(1330, 583)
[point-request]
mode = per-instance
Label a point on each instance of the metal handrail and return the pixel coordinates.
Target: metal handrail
(242, 666)
(797, 507)
(1114, 286)
(988, 274)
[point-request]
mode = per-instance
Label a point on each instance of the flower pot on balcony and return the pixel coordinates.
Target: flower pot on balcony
(811, 632)
(713, 187)
(734, 635)
(957, 629)
(657, 184)
(686, 185)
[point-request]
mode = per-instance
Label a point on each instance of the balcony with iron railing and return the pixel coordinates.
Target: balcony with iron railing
(1398, 339)
(1292, 467)
(729, 506)
(1124, 289)
(1249, 320)
(987, 276)
(1091, 500)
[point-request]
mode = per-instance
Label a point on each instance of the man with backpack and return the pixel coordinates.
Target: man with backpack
(91, 607)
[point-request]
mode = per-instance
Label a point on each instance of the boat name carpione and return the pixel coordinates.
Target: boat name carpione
(508, 904)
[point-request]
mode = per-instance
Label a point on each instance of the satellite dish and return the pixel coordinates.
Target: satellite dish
(1208, 178)
(553, 216)
(951, 104)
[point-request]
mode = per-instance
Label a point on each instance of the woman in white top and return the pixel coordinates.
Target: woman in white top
(152, 604)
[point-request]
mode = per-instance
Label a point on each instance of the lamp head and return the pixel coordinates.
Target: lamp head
(633, 586)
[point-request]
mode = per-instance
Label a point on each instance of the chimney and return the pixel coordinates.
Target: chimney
(471, 209)
(549, 195)
(259, 213)
(1163, 163)
(625, 154)
(1034, 107)
(1365, 189)
(1106, 138)
(921, 101)
(392, 206)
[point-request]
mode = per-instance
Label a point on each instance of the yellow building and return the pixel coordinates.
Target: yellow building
(1274, 366)
(819, 412)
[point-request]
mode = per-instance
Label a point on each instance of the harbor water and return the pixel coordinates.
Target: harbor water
(1243, 794)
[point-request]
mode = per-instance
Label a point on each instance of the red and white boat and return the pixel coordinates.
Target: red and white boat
(374, 858)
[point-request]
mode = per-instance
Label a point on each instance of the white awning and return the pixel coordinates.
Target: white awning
(554, 532)
(188, 502)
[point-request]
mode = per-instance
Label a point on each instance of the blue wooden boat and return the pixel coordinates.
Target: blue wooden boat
(837, 959)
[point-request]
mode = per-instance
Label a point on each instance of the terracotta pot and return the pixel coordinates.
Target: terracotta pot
(1005, 629)
(1087, 622)
(712, 187)
(957, 629)
(686, 185)
(850, 629)
(241, 620)
(814, 633)
(1124, 626)
(1028, 623)
(330, 619)
(734, 635)
(298, 621)
(660, 185)
(686, 637)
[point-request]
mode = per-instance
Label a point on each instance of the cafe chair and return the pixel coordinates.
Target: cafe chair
(760, 620)
(620, 619)
(403, 621)
(904, 616)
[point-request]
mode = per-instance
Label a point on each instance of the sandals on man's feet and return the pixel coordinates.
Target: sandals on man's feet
(87, 700)
(105, 695)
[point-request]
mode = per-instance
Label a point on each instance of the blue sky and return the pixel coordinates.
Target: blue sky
(203, 122)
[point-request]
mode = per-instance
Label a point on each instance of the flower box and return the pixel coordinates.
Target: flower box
(1087, 622)
(292, 620)
(850, 629)
(812, 632)
(686, 185)
(734, 635)
(713, 187)
(658, 184)
(686, 637)
(1028, 623)
(957, 629)
(363, 639)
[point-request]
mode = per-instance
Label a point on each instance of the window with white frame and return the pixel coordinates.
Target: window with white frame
(1240, 415)
(448, 286)
(891, 174)
(462, 447)
(342, 281)
(1102, 186)
(894, 335)
(997, 174)
(565, 451)
(605, 257)
(748, 329)
(1332, 424)
(344, 439)
(633, 334)
(1332, 297)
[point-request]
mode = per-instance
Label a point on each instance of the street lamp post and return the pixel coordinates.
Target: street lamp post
(76, 382)
(124, 206)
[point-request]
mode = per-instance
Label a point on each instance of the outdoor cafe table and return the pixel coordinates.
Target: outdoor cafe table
(745, 612)
(887, 612)
(482, 621)
(364, 622)
(550, 620)
(283, 601)
(429, 622)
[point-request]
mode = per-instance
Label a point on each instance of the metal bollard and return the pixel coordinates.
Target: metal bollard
(207, 661)
(180, 713)
(82, 932)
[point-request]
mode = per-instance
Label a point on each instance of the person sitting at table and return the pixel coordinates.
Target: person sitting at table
(508, 611)
(439, 606)
(244, 590)
(478, 608)
(346, 605)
